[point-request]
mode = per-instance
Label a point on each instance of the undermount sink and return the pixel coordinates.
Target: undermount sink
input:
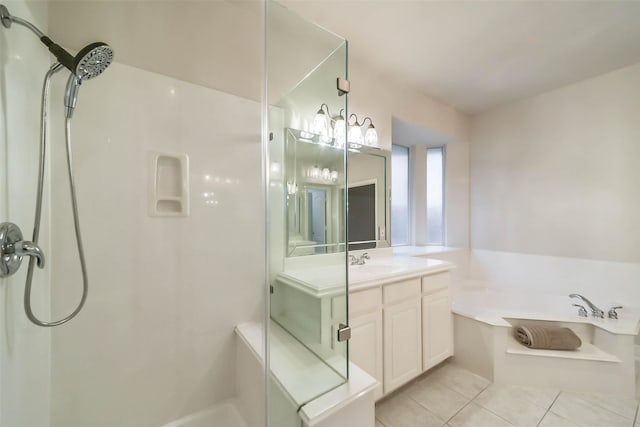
(375, 269)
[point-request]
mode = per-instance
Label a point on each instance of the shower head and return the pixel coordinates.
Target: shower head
(92, 60)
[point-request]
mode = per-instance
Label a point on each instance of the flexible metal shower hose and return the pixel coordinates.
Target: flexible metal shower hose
(76, 221)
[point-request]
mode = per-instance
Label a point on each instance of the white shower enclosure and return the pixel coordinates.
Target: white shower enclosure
(168, 167)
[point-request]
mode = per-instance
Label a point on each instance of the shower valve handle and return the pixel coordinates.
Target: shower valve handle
(13, 248)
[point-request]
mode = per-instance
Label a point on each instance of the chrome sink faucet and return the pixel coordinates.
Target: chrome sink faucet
(595, 311)
(353, 260)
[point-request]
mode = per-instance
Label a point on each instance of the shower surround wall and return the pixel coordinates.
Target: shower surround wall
(24, 349)
(155, 341)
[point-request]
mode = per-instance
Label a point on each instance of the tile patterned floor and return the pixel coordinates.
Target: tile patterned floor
(449, 396)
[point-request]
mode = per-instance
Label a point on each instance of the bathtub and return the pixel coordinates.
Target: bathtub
(484, 319)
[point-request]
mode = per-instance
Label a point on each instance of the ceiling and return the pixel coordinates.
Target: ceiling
(475, 55)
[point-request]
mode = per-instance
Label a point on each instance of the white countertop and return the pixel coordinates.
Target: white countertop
(392, 269)
(330, 280)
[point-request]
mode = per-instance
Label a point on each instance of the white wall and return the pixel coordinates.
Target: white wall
(557, 174)
(24, 348)
(383, 98)
(155, 341)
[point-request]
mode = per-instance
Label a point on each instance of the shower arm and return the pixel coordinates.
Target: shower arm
(64, 57)
(8, 19)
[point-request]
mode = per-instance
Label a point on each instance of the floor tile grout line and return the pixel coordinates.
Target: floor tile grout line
(469, 400)
(497, 415)
(468, 403)
(549, 408)
(599, 406)
(459, 410)
(424, 407)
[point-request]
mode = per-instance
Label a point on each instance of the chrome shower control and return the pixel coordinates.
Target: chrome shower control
(13, 248)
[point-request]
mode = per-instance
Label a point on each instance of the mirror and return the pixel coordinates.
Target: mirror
(315, 190)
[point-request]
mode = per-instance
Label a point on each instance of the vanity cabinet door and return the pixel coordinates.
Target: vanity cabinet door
(402, 343)
(365, 345)
(437, 328)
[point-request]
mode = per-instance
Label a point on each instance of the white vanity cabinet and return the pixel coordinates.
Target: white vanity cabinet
(437, 320)
(400, 329)
(365, 345)
(402, 333)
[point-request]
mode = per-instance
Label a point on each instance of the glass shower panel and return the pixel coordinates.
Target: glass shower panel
(307, 204)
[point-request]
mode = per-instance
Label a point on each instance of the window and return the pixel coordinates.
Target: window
(435, 196)
(400, 217)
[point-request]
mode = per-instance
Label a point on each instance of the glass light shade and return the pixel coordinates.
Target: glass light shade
(326, 174)
(339, 132)
(334, 176)
(355, 135)
(320, 125)
(371, 136)
(292, 187)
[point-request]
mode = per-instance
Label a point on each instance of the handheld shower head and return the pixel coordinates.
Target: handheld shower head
(92, 60)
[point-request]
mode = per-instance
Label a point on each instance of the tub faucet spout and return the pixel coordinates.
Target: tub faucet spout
(595, 311)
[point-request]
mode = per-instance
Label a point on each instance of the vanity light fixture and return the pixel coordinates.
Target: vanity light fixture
(341, 131)
(354, 136)
(371, 135)
(322, 175)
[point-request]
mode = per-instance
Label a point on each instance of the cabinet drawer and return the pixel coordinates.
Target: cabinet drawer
(365, 301)
(435, 282)
(401, 291)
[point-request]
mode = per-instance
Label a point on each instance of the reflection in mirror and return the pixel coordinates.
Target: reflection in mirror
(368, 199)
(316, 188)
(315, 196)
(362, 219)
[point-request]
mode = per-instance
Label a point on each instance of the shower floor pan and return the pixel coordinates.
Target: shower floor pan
(223, 414)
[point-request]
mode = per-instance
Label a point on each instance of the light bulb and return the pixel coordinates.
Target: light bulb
(314, 172)
(292, 188)
(339, 132)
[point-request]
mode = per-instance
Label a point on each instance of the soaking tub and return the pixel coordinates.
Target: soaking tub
(484, 319)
